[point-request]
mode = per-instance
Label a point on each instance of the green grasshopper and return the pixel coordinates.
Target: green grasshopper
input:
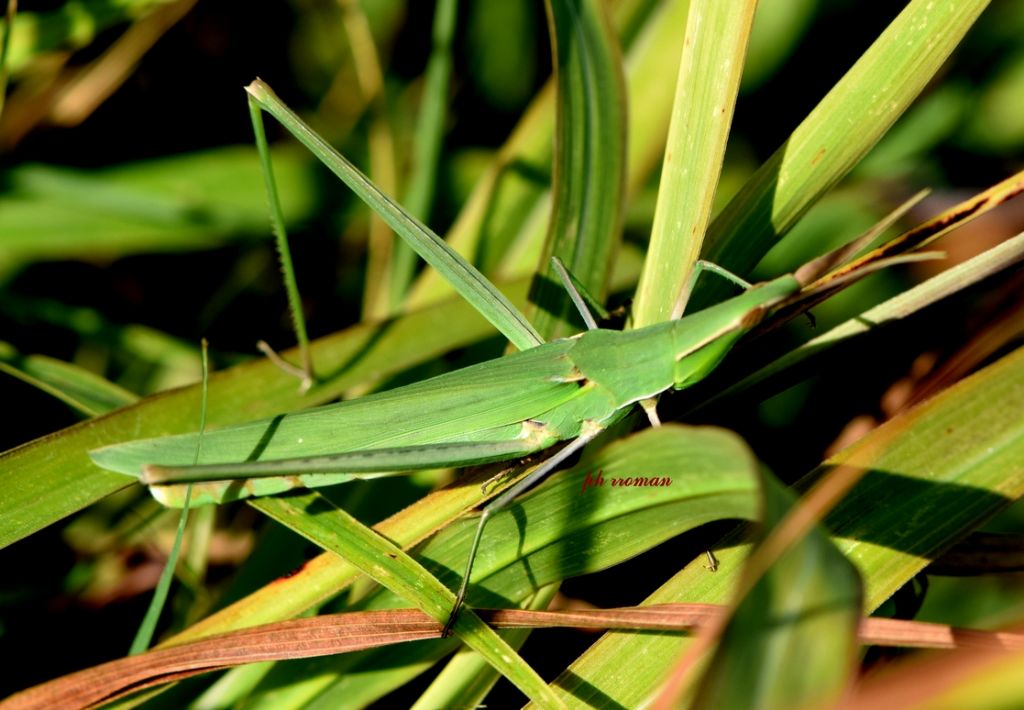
(570, 389)
(566, 390)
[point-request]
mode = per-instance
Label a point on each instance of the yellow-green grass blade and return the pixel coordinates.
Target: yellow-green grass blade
(933, 475)
(588, 180)
(500, 218)
(86, 392)
(465, 278)
(178, 203)
(44, 480)
(714, 47)
(335, 530)
(569, 532)
(793, 637)
(840, 130)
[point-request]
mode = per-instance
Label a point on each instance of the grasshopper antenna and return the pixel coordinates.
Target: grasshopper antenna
(699, 267)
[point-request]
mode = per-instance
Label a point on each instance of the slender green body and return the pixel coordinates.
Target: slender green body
(496, 410)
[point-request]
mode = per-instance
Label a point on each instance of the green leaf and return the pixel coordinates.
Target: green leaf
(567, 531)
(840, 130)
(887, 313)
(932, 475)
(504, 222)
(714, 45)
(466, 678)
(332, 528)
(589, 176)
(183, 202)
(429, 138)
(793, 637)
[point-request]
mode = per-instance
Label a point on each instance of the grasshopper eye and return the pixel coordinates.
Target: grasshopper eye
(753, 317)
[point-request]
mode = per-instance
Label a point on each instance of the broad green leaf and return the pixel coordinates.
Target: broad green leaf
(85, 391)
(840, 130)
(567, 531)
(714, 47)
(588, 180)
(931, 476)
(466, 279)
(503, 224)
(793, 637)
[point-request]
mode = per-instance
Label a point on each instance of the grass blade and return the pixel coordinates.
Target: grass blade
(840, 130)
(934, 474)
(77, 387)
(430, 128)
(469, 282)
(499, 228)
(714, 48)
(714, 476)
(808, 602)
(570, 533)
(466, 678)
(588, 180)
(144, 636)
(195, 201)
(337, 531)
(347, 632)
(381, 148)
(902, 306)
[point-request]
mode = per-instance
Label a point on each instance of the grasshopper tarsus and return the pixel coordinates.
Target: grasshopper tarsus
(303, 374)
(446, 630)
